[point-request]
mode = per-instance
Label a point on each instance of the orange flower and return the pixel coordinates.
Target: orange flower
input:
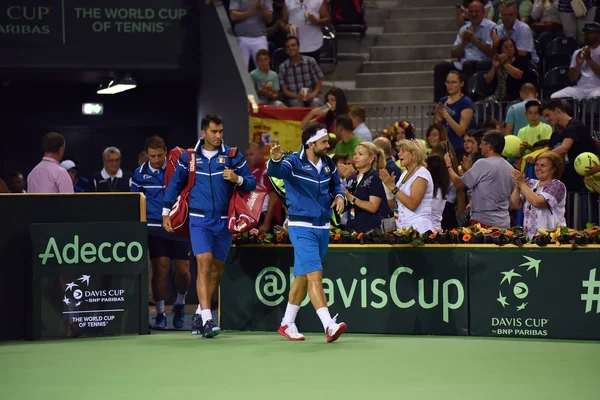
(454, 232)
(593, 231)
(466, 237)
(509, 233)
(261, 237)
(279, 238)
(235, 235)
(359, 236)
(337, 236)
(433, 235)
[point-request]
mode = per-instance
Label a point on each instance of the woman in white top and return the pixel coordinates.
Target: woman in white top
(441, 188)
(543, 199)
(413, 194)
(308, 16)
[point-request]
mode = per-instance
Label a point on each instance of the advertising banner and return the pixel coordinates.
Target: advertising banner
(108, 33)
(277, 126)
(89, 279)
(535, 293)
(406, 291)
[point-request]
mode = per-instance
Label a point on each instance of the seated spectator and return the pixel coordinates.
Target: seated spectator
(111, 178)
(571, 23)
(364, 192)
(413, 194)
(266, 82)
(489, 182)
(515, 116)
(472, 48)
(345, 133)
(547, 23)
(17, 183)
(441, 187)
(585, 67)
(309, 16)
(536, 130)
(300, 77)
(250, 19)
(542, 199)
(455, 111)
(518, 31)
(508, 70)
(48, 176)
(576, 139)
(336, 106)
(358, 116)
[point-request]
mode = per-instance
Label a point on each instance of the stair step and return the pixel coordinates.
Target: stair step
(358, 96)
(420, 25)
(422, 13)
(353, 44)
(409, 3)
(394, 79)
(415, 38)
(400, 53)
(377, 16)
(399, 66)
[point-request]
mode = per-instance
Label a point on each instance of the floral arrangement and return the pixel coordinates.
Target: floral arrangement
(460, 236)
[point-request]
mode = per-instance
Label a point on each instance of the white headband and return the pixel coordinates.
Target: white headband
(320, 134)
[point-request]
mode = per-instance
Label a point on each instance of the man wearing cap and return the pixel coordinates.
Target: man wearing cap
(73, 169)
(310, 178)
(585, 67)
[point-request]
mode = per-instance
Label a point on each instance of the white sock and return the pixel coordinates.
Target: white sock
(206, 315)
(326, 319)
(290, 314)
(180, 298)
(160, 307)
(199, 310)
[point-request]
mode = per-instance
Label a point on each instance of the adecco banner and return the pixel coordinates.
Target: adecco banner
(413, 291)
(89, 279)
(141, 34)
(546, 293)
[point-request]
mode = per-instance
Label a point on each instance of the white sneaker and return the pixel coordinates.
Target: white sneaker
(290, 331)
(335, 330)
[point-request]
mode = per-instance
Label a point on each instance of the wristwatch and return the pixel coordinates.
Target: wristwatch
(395, 190)
(353, 201)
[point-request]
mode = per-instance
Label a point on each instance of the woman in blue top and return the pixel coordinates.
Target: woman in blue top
(455, 112)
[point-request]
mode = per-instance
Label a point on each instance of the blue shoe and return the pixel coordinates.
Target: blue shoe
(196, 325)
(210, 329)
(160, 322)
(178, 316)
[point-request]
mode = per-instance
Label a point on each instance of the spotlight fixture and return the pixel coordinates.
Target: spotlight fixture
(117, 86)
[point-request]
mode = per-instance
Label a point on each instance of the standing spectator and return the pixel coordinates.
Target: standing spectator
(576, 139)
(435, 135)
(309, 16)
(413, 193)
(547, 25)
(508, 71)
(472, 143)
(336, 106)
(572, 23)
(515, 116)
(536, 130)
(358, 116)
(489, 182)
(472, 48)
(266, 82)
(441, 188)
(585, 67)
(278, 29)
(348, 140)
(48, 176)
(300, 77)
(17, 183)
(542, 199)
(111, 178)
(250, 18)
(518, 31)
(365, 193)
(455, 111)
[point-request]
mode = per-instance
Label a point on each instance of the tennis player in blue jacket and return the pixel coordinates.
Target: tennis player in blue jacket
(311, 180)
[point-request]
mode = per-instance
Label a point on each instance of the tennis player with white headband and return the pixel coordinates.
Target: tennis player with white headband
(311, 180)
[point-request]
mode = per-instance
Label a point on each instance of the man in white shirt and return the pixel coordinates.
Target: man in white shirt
(585, 67)
(358, 115)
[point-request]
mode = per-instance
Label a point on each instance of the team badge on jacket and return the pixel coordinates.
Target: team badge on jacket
(221, 160)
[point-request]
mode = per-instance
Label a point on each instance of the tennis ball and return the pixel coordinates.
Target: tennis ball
(512, 147)
(596, 181)
(584, 160)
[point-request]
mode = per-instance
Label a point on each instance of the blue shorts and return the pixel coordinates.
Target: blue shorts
(310, 247)
(210, 235)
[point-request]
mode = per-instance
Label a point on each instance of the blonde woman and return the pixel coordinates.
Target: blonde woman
(413, 194)
(364, 191)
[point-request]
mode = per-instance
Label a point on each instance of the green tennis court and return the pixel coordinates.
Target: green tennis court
(246, 365)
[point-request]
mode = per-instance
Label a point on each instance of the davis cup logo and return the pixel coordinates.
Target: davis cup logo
(515, 289)
(73, 296)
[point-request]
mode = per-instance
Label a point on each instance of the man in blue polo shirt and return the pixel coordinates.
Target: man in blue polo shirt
(149, 178)
(311, 179)
(217, 175)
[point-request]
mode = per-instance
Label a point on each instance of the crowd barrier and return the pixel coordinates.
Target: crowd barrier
(525, 292)
(73, 265)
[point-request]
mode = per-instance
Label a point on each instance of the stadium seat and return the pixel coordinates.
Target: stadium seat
(328, 56)
(554, 80)
(557, 51)
(348, 16)
(477, 89)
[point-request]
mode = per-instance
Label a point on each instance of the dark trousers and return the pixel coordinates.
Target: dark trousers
(314, 54)
(441, 71)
